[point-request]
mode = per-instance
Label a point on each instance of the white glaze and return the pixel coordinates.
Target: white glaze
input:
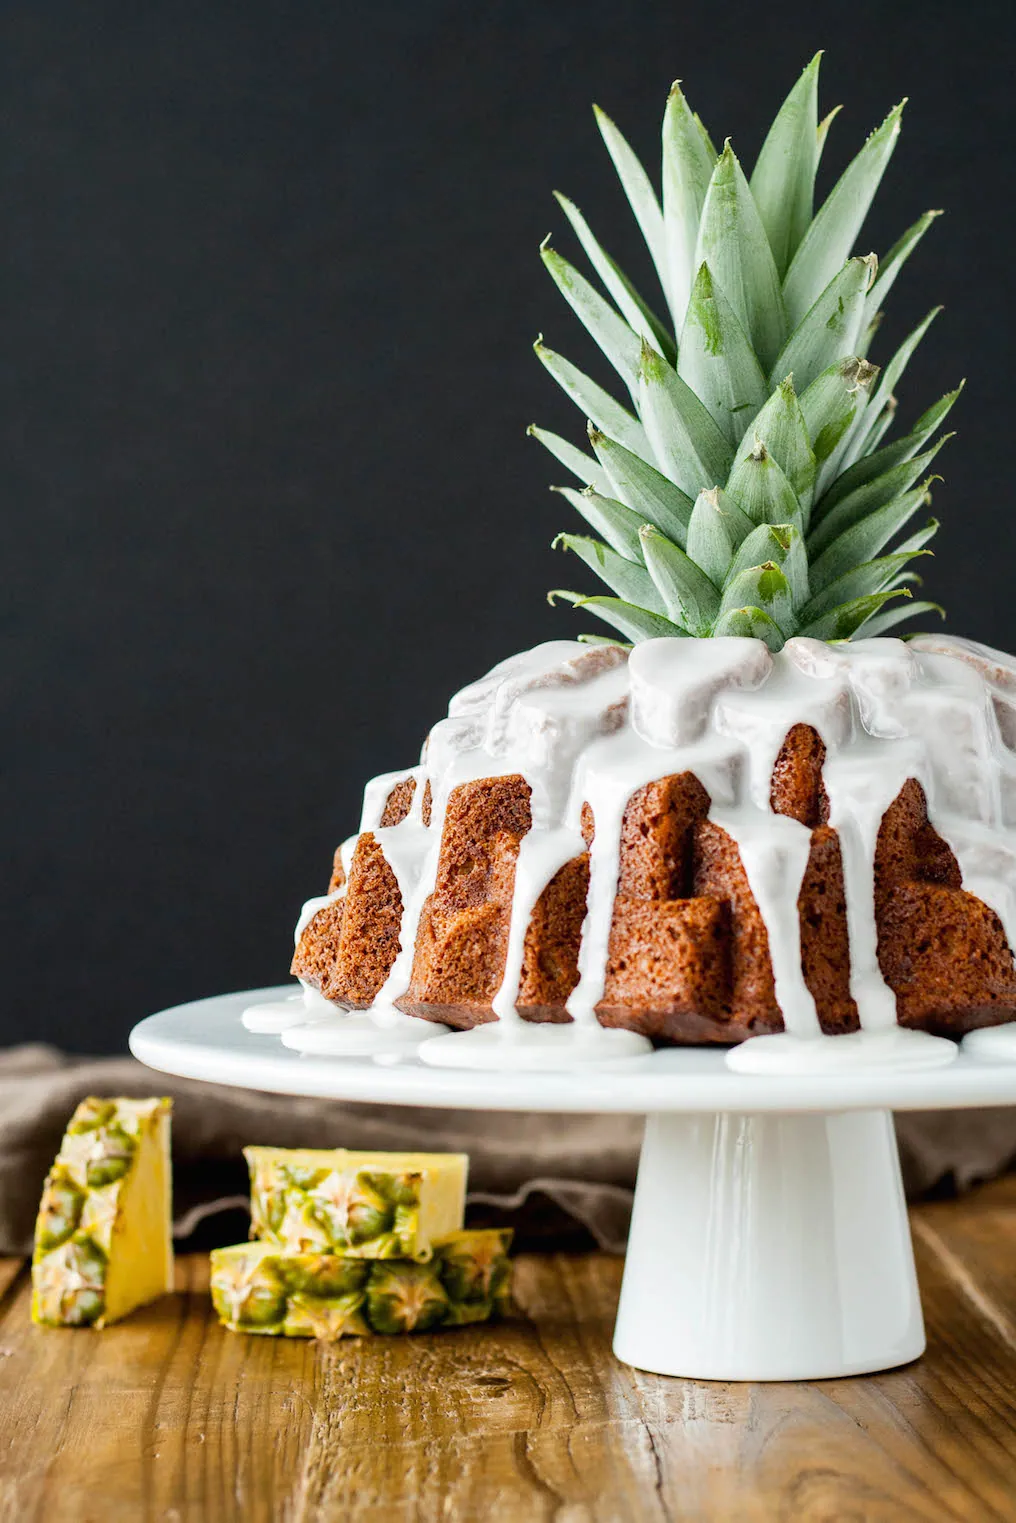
(992, 1043)
(592, 725)
(529, 1048)
(898, 1049)
(275, 1016)
(359, 1035)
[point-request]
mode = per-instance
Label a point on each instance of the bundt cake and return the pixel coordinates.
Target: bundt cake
(697, 840)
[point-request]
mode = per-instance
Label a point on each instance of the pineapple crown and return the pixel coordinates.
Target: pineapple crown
(747, 491)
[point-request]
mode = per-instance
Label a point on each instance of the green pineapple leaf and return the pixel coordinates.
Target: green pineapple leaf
(642, 488)
(866, 499)
(893, 263)
(871, 467)
(863, 540)
(689, 598)
(636, 312)
(717, 527)
(687, 167)
(762, 491)
(594, 402)
(829, 331)
(631, 582)
(870, 576)
(893, 616)
(717, 360)
(781, 423)
(783, 180)
(636, 623)
(639, 191)
(613, 335)
(589, 472)
(733, 243)
(780, 545)
(687, 443)
(751, 624)
(840, 623)
(830, 239)
(618, 525)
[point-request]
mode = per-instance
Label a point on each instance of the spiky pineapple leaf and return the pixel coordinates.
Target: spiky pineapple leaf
(687, 167)
(893, 616)
(840, 623)
(589, 472)
(636, 623)
(733, 243)
(782, 428)
(865, 438)
(717, 359)
(772, 544)
(829, 330)
(639, 191)
(618, 525)
(751, 624)
(761, 490)
(716, 528)
(689, 597)
(830, 239)
(609, 331)
(643, 488)
(864, 540)
(636, 312)
(629, 580)
(872, 495)
(595, 403)
(871, 466)
(831, 403)
(687, 443)
(869, 577)
(763, 587)
(892, 264)
(783, 180)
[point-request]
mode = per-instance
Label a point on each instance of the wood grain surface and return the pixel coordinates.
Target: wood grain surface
(168, 1417)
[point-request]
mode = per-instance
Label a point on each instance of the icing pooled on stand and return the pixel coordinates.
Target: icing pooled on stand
(591, 725)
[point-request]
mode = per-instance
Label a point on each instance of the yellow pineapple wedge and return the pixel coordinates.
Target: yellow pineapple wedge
(103, 1236)
(359, 1205)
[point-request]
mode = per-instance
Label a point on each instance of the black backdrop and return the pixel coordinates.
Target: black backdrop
(270, 278)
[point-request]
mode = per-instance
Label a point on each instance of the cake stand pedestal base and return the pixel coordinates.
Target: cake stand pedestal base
(769, 1247)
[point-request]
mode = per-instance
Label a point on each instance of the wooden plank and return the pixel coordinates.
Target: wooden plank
(170, 1417)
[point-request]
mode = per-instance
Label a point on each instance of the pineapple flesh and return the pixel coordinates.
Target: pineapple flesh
(360, 1205)
(258, 1288)
(103, 1236)
(743, 487)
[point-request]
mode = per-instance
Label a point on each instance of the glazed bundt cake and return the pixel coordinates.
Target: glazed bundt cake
(697, 840)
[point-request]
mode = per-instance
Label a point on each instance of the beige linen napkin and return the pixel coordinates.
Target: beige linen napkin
(583, 1165)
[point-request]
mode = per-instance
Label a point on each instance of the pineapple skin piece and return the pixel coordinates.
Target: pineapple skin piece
(258, 1289)
(360, 1205)
(103, 1235)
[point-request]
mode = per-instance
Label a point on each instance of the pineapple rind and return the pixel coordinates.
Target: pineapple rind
(256, 1288)
(361, 1205)
(83, 1240)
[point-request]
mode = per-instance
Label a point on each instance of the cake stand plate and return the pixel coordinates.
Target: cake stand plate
(769, 1236)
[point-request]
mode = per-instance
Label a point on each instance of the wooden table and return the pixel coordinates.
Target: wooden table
(169, 1417)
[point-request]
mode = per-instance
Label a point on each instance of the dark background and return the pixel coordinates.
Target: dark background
(270, 279)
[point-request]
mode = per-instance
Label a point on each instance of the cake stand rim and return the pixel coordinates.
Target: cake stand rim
(205, 1040)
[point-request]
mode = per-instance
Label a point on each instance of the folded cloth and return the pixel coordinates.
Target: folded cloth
(584, 1166)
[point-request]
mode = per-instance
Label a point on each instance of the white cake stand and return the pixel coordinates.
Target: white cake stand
(769, 1238)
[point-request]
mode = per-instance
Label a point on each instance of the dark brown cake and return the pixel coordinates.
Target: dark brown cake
(688, 957)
